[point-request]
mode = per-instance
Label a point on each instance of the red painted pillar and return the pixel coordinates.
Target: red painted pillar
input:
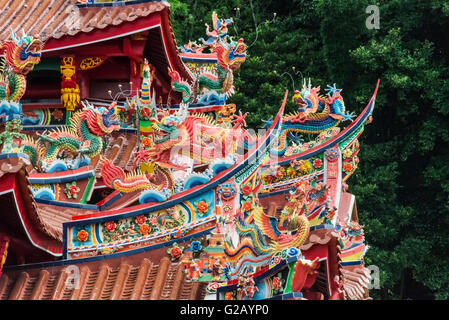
(84, 84)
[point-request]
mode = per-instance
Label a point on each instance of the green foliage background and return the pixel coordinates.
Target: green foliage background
(402, 184)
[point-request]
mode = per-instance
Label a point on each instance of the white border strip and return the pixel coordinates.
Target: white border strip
(351, 208)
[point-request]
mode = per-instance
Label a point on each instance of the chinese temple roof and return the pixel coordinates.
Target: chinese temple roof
(110, 194)
(58, 18)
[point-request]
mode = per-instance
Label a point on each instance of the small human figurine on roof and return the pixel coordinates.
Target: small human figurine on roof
(12, 138)
(216, 270)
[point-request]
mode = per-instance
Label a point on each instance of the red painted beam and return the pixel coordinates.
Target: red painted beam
(103, 49)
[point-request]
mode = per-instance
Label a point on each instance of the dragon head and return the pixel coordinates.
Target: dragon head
(231, 56)
(307, 98)
(22, 54)
(101, 121)
(166, 129)
(174, 75)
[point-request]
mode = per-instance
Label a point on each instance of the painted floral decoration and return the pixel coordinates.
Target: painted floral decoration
(202, 207)
(295, 168)
(82, 235)
(247, 206)
(71, 190)
(317, 163)
(229, 295)
(347, 153)
(305, 167)
(146, 142)
(196, 246)
(57, 114)
(140, 220)
(276, 283)
(247, 190)
(291, 172)
(142, 225)
(175, 251)
(110, 226)
(144, 229)
(347, 167)
(153, 221)
(145, 112)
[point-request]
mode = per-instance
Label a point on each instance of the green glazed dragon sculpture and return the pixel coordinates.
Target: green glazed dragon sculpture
(73, 146)
(230, 55)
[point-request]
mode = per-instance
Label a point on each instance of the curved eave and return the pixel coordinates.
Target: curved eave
(249, 158)
(171, 47)
(353, 127)
(27, 216)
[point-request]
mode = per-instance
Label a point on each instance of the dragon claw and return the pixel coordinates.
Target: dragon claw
(240, 120)
(349, 116)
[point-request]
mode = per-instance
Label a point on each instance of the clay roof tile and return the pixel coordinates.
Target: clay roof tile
(128, 279)
(56, 18)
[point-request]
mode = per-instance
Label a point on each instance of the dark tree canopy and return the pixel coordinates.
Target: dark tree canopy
(402, 183)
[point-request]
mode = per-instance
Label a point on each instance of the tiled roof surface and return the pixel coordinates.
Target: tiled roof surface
(56, 18)
(107, 280)
(52, 218)
(355, 282)
(120, 150)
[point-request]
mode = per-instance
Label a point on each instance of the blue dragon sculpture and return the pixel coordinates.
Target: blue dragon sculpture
(316, 113)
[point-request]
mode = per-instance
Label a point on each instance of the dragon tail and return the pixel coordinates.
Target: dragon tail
(116, 178)
(32, 149)
(185, 89)
(257, 239)
(300, 237)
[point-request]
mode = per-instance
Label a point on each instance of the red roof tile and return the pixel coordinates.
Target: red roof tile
(56, 18)
(355, 282)
(112, 279)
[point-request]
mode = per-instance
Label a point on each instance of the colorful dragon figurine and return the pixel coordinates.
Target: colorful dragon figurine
(117, 179)
(262, 238)
(180, 85)
(230, 55)
(282, 239)
(219, 32)
(229, 58)
(266, 235)
(196, 134)
(165, 134)
(315, 114)
(83, 138)
(20, 57)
